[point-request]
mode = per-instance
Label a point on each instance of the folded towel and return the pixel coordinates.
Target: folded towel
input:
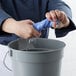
(39, 26)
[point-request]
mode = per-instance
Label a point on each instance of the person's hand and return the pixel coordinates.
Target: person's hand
(23, 28)
(55, 15)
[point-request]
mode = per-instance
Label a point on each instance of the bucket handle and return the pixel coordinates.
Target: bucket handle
(4, 59)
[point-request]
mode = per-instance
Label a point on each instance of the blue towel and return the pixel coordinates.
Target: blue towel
(39, 26)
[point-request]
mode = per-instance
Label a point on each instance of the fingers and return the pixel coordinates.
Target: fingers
(55, 15)
(28, 21)
(31, 33)
(51, 15)
(48, 16)
(36, 33)
(61, 16)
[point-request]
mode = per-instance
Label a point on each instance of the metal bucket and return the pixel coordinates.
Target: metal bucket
(36, 57)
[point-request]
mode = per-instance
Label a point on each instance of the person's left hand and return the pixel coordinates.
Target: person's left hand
(55, 15)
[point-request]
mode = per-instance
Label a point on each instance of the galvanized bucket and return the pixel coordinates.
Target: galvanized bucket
(36, 57)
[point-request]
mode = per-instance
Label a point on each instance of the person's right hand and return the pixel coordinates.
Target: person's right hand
(23, 28)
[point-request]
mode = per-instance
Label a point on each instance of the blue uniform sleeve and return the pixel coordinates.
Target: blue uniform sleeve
(60, 5)
(4, 37)
(3, 16)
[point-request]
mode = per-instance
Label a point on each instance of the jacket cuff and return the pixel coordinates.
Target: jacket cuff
(64, 31)
(3, 17)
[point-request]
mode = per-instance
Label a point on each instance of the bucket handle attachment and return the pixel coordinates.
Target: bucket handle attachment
(4, 59)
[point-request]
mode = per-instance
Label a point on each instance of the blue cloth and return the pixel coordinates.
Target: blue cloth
(39, 26)
(42, 25)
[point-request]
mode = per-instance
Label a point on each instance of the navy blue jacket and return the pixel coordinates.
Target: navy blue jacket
(34, 10)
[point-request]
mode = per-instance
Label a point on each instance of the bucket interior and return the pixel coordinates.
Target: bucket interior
(36, 44)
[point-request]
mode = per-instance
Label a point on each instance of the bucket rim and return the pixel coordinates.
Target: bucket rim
(43, 50)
